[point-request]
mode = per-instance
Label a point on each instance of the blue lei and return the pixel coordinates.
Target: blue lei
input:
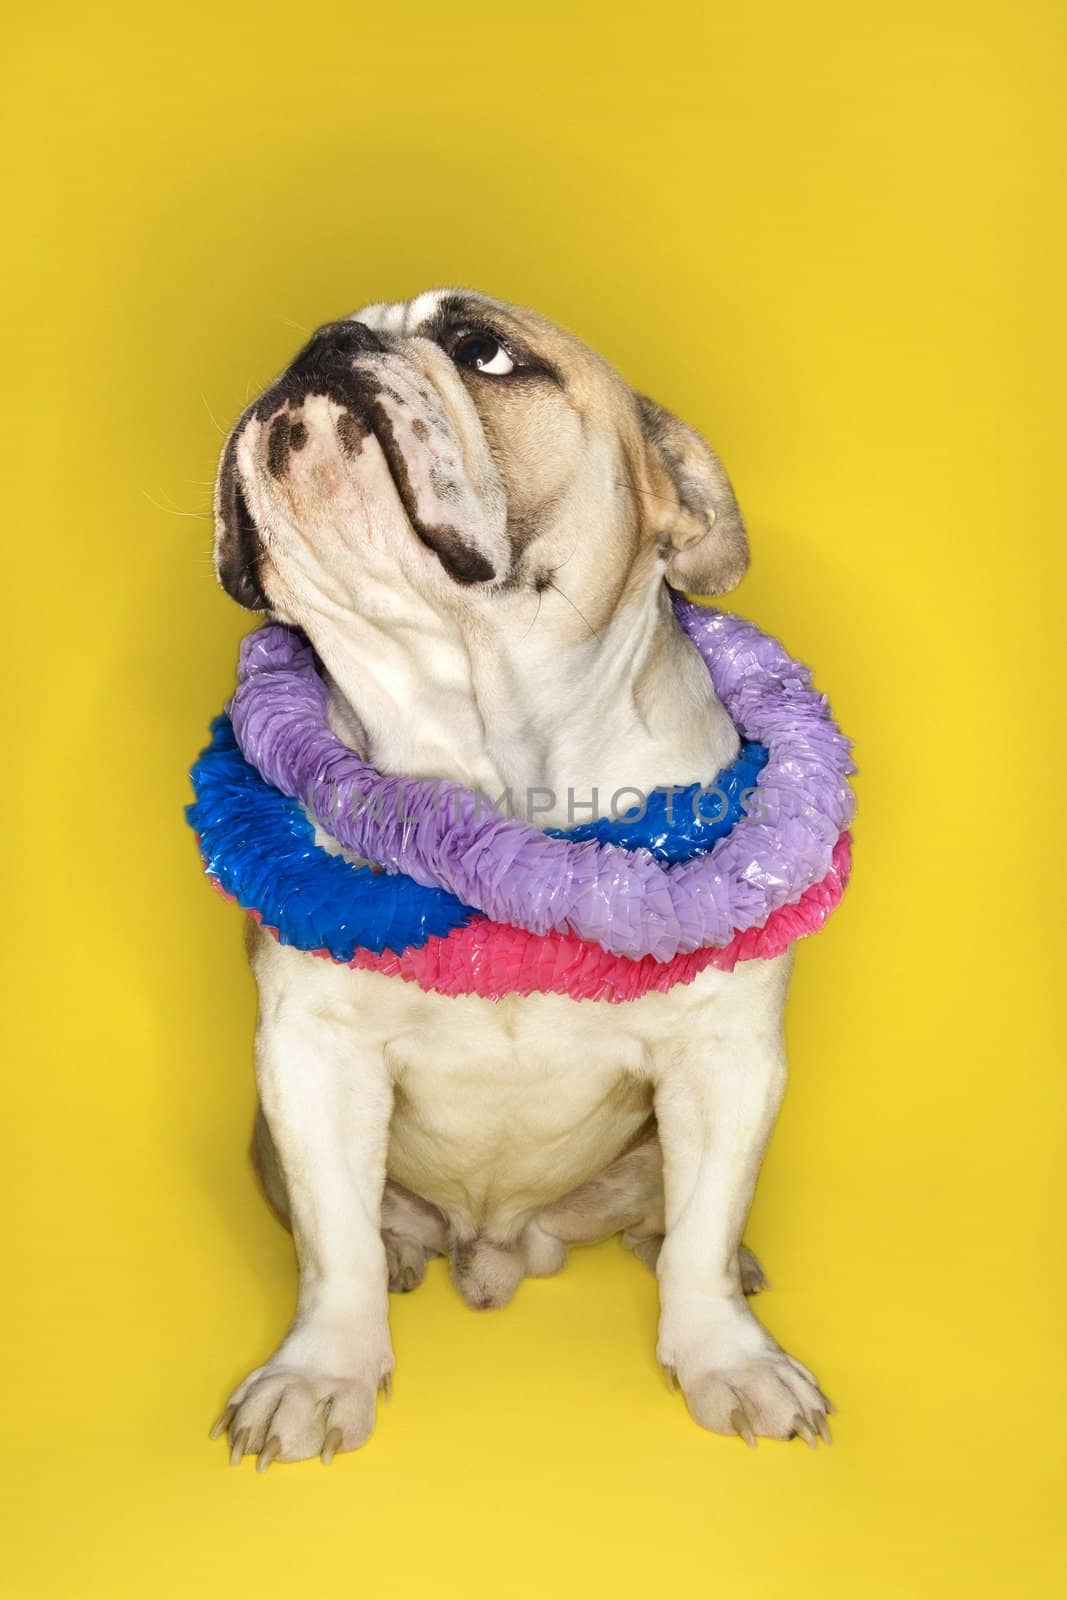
(260, 846)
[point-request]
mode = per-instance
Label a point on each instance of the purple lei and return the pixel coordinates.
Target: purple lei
(443, 834)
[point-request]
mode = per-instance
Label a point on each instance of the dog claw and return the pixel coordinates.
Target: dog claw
(824, 1428)
(240, 1440)
(330, 1446)
(270, 1452)
(804, 1430)
(742, 1427)
(387, 1386)
(224, 1422)
(672, 1379)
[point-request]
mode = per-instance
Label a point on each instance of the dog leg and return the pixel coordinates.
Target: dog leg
(716, 1098)
(487, 1271)
(627, 1197)
(327, 1108)
(646, 1247)
(268, 1170)
(627, 1194)
(412, 1231)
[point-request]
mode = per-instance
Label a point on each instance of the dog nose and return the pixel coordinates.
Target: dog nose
(335, 344)
(323, 366)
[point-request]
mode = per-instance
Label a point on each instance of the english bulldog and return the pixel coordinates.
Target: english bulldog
(475, 521)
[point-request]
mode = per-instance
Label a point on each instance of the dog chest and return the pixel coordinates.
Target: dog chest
(498, 1109)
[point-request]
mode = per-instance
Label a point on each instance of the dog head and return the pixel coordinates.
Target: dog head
(461, 451)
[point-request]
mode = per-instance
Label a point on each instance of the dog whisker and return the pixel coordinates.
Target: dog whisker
(622, 483)
(563, 563)
(217, 424)
(176, 511)
(573, 607)
(537, 613)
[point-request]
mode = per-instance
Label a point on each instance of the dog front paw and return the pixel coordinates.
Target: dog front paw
(771, 1397)
(736, 1380)
(288, 1413)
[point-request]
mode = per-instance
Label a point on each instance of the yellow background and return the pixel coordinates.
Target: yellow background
(824, 234)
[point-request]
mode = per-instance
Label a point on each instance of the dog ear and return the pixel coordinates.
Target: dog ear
(703, 532)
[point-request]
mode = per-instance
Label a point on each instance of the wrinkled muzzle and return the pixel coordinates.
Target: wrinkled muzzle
(358, 429)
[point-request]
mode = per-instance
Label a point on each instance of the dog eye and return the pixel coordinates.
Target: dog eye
(484, 354)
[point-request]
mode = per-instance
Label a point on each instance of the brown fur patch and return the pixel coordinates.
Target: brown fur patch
(278, 445)
(351, 432)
